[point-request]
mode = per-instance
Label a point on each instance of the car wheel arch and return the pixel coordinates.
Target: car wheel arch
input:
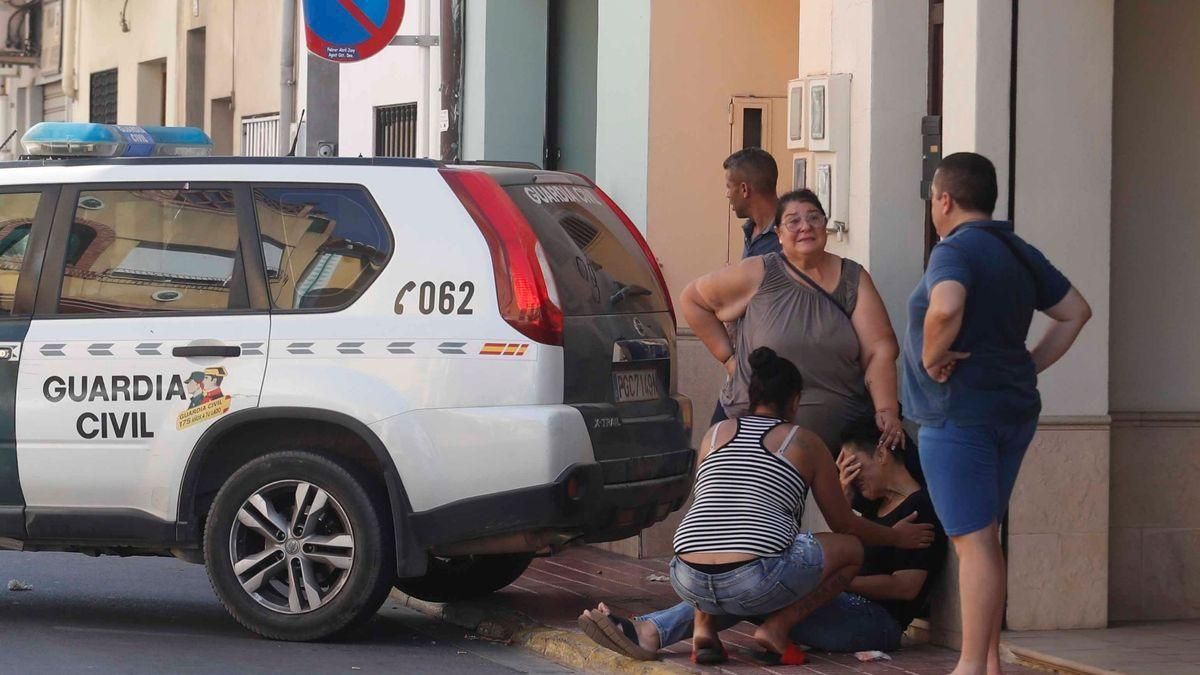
(410, 555)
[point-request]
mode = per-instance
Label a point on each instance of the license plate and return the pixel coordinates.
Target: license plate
(636, 385)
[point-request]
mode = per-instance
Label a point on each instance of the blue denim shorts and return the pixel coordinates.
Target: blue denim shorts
(760, 587)
(971, 471)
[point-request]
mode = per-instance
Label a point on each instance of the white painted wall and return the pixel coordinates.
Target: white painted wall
(1064, 175)
(882, 46)
(975, 98)
(1063, 156)
(816, 37)
(895, 210)
(391, 77)
(623, 104)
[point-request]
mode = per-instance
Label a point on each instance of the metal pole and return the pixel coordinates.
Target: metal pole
(452, 41)
(287, 77)
(423, 149)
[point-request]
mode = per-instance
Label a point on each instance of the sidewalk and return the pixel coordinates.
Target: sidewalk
(1151, 648)
(555, 590)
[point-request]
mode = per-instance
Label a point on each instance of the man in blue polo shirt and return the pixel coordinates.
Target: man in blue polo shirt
(972, 384)
(751, 178)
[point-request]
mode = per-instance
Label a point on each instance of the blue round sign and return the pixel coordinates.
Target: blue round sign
(351, 30)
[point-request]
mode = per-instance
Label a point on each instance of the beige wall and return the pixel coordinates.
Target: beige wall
(1156, 206)
(702, 55)
(1154, 548)
(104, 45)
(1155, 544)
(242, 32)
(1058, 530)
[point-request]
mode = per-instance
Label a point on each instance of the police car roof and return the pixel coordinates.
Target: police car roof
(144, 161)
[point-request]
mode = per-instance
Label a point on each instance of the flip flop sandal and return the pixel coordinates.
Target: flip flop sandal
(792, 656)
(709, 655)
(615, 633)
(597, 635)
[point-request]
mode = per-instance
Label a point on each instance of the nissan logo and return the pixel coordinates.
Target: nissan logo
(640, 327)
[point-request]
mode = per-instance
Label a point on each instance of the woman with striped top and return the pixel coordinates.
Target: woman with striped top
(739, 549)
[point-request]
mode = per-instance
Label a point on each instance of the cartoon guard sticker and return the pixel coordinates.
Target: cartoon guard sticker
(206, 400)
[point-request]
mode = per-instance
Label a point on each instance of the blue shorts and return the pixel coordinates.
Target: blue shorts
(760, 587)
(971, 471)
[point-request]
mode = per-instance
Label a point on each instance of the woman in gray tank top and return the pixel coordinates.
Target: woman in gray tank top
(819, 311)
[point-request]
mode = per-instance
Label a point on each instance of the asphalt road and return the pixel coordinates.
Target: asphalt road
(155, 615)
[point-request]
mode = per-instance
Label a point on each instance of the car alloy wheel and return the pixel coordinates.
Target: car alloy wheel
(291, 547)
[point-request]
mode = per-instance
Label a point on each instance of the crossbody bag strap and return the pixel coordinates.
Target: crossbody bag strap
(1008, 243)
(817, 287)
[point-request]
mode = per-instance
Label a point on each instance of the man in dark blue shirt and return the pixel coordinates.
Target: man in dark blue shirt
(751, 178)
(971, 383)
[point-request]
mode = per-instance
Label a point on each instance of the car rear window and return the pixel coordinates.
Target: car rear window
(598, 266)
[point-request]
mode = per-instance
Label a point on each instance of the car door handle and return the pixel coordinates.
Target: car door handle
(207, 350)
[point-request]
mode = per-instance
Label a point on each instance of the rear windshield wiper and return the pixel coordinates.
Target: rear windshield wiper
(628, 291)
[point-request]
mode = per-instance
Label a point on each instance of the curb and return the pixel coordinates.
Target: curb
(1031, 658)
(568, 648)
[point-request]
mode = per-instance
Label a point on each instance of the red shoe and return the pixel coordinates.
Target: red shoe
(792, 656)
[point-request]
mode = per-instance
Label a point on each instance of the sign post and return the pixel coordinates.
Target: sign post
(346, 31)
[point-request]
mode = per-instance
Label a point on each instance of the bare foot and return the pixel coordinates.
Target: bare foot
(704, 633)
(646, 632)
(772, 634)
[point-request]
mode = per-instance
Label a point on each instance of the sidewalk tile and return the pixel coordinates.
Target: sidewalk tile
(555, 590)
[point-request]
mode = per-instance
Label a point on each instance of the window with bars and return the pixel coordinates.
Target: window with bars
(103, 97)
(260, 135)
(396, 130)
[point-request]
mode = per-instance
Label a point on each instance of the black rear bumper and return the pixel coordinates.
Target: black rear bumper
(578, 503)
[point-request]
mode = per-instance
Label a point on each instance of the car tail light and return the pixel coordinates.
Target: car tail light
(637, 236)
(524, 285)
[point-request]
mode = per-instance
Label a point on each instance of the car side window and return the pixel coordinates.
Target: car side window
(16, 221)
(153, 250)
(322, 246)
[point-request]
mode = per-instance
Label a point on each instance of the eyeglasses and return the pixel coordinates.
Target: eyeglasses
(813, 218)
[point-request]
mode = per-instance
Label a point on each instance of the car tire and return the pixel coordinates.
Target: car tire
(466, 577)
(329, 572)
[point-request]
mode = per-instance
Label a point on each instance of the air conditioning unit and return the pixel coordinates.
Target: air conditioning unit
(795, 115)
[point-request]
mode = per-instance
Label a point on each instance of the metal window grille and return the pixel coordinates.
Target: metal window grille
(260, 135)
(103, 97)
(396, 130)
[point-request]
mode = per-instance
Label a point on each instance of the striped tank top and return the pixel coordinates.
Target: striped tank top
(748, 499)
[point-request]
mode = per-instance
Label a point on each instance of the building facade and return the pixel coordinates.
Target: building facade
(1086, 107)
(1083, 105)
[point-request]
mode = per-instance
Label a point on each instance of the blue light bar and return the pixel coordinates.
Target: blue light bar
(80, 139)
(180, 141)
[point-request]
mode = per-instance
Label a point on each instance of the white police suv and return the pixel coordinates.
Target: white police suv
(325, 378)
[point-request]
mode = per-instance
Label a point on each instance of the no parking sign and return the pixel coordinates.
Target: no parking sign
(351, 30)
